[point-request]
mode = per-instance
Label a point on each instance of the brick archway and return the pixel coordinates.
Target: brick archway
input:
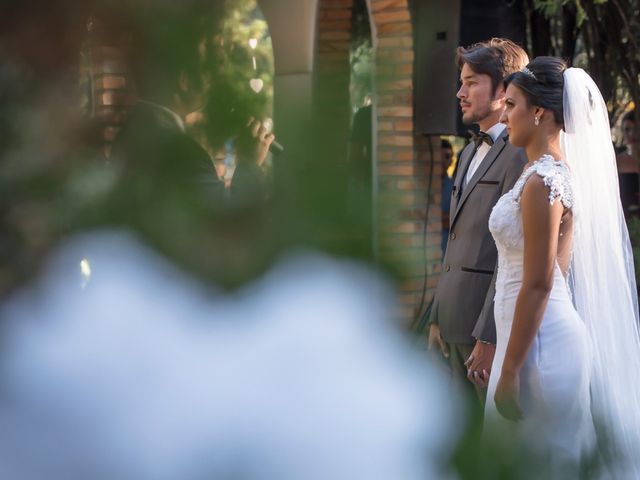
(404, 183)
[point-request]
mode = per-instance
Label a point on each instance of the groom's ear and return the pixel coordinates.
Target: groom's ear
(500, 92)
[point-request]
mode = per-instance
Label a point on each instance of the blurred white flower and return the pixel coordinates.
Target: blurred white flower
(146, 374)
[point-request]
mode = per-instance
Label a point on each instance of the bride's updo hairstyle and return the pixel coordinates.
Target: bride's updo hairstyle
(542, 83)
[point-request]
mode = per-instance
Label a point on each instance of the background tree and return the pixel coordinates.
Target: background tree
(602, 36)
(238, 58)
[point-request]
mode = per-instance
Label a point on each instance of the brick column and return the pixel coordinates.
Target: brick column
(405, 177)
(104, 61)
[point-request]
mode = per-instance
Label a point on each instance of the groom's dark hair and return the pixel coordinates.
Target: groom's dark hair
(498, 58)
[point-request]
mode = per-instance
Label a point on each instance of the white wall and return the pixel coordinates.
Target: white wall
(292, 25)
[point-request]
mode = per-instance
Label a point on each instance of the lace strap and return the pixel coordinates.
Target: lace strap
(556, 177)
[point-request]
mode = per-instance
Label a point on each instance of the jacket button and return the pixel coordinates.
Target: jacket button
(453, 236)
(447, 268)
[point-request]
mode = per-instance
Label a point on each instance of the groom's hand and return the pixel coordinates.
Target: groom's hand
(435, 340)
(479, 363)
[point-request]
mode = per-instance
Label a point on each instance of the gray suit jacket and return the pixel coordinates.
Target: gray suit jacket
(463, 302)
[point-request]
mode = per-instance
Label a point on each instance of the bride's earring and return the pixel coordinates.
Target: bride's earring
(536, 121)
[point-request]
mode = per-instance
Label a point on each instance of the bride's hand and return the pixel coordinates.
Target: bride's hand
(507, 396)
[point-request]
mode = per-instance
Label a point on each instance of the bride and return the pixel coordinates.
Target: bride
(568, 351)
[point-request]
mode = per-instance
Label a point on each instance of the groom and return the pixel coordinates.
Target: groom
(461, 323)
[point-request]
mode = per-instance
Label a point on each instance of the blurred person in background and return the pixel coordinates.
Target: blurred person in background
(175, 97)
(53, 176)
(447, 186)
(628, 170)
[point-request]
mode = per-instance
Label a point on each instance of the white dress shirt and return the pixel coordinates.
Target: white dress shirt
(494, 132)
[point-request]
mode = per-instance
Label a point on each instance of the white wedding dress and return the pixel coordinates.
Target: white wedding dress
(554, 382)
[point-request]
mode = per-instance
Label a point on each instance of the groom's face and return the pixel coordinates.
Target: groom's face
(477, 98)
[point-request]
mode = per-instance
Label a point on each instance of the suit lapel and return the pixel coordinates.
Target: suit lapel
(479, 173)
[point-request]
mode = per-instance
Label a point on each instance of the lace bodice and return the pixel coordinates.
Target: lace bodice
(505, 222)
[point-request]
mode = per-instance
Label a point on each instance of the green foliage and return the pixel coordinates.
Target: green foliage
(603, 37)
(361, 72)
(229, 62)
(242, 22)
(361, 56)
(551, 7)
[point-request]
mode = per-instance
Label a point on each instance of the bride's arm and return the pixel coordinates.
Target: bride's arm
(541, 226)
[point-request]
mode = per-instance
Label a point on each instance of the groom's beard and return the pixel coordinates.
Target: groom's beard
(481, 111)
(476, 116)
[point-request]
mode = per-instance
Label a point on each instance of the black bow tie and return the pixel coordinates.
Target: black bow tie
(480, 137)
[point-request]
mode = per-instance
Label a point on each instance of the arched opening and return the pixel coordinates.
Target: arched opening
(360, 161)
